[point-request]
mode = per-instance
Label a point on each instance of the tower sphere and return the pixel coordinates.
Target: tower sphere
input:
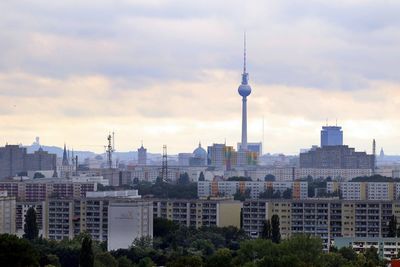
(244, 90)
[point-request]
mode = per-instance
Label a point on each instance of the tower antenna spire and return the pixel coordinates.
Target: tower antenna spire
(244, 52)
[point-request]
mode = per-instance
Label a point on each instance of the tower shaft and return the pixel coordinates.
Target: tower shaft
(244, 124)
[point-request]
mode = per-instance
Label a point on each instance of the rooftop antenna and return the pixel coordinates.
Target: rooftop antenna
(164, 168)
(113, 138)
(336, 122)
(326, 121)
(109, 150)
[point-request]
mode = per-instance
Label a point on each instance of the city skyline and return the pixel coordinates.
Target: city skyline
(169, 76)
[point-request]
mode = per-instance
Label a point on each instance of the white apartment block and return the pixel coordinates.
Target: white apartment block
(365, 190)
(229, 188)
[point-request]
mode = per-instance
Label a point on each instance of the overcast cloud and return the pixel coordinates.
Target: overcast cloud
(166, 72)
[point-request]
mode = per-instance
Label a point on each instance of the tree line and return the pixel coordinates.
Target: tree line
(174, 245)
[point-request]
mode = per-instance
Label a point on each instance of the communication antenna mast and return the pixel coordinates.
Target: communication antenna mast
(164, 169)
(109, 150)
(113, 138)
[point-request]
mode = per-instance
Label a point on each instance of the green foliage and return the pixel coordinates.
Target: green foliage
(86, 257)
(31, 229)
(242, 196)
(184, 179)
(186, 261)
(105, 259)
(222, 257)
(38, 175)
(162, 226)
(124, 262)
(266, 230)
(392, 226)
(165, 190)
(269, 178)
(201, 177)
(287, 194)
(275, 231)
(348, 253)
(146, 262)
(374, 178)
(239, 178)
(17, 252)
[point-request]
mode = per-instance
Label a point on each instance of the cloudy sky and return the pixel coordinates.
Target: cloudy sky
(167, 72)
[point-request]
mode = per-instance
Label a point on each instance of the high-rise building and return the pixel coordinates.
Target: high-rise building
(336, 157)
(331, 136)
(40, 160)
(244, 91)
(14, 160)
(142, 155)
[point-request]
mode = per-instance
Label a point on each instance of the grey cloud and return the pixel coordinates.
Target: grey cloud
(302, 43)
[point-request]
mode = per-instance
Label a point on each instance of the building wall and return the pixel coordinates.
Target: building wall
(229, 214)
(128, 221)
(7, 215)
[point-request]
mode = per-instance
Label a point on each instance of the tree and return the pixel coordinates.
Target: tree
(266, 230)
(31, 229)
(105, 259)
(163, 227)
(17, 252)
(201, 177)
(242, 196)
(371, 256)
(239, 178)
(348, 253)
(287, 194)
(86, 257)
(184, 178)
(392, 226)
(38, 175)
(275, 231)
(267, 194)
(269, 178)
(124, 262)
(186, 261)
(223, 257)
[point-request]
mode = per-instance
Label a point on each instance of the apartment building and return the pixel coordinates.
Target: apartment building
(20, 214)
(325, 218)
(7, 215)
(41, 189)
(365, 190)
(388, 248)
(128, 221)
(229, 188)
(199, 212)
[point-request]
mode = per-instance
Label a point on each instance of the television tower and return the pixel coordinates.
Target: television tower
(244, 91)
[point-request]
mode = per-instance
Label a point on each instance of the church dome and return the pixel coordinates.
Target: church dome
(200, 152)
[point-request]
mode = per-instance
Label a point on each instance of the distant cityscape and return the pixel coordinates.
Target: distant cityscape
(332, 191)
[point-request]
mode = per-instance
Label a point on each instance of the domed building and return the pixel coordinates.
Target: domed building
(199, 157)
